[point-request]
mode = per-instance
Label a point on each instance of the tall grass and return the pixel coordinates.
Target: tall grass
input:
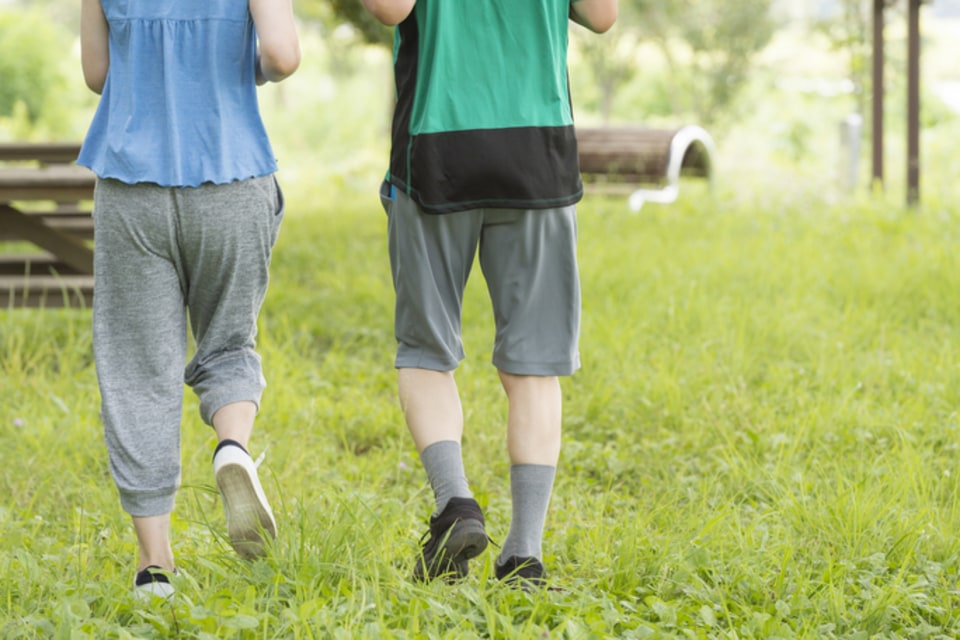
(762, 443)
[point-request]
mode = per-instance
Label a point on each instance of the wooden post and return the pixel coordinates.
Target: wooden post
(913, 102)
(878, 91)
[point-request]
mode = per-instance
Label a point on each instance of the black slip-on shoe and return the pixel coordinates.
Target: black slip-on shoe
(525, 573)
(456, 535)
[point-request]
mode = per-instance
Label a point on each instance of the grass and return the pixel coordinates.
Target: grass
(762, 443)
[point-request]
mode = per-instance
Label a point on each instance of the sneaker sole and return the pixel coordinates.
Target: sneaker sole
(248, 513)
(464, 540)
(153, 591)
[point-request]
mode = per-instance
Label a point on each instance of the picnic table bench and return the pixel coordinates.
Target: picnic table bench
(45, 215)
(644, 163)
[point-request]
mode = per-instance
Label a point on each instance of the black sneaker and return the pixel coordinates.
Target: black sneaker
(525, 573)
(456, 535)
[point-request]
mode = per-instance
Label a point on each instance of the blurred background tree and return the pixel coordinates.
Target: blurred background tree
(849, 31)
(331, 13)
(788, 68)
(723, 38)
(708, 46)
(31, 50)
(64, 13)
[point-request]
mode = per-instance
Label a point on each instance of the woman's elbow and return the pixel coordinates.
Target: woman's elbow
(277, 65)
(95, 79)
(96, 87)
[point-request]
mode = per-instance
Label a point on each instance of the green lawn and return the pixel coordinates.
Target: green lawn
(762, 442)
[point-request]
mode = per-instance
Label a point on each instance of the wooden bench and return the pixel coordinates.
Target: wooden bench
(645, 163)
(45, 206)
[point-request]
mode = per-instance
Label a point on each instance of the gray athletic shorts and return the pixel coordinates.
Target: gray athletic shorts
(529, 261)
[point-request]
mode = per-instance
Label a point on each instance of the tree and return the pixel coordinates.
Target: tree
(331, 13)
(850, 31)
(65, 13)
(708, 46)
(30, 51)
(612, 59)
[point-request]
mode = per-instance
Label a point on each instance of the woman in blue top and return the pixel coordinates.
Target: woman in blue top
(186, 212)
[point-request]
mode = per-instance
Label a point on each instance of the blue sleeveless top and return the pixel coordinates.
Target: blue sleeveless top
(179, 107)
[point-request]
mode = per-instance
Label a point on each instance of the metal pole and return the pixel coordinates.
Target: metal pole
(877, 123)
(913, 103)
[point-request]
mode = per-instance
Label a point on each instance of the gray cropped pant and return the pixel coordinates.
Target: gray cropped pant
(163, 255)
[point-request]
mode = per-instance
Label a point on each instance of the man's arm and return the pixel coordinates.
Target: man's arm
(94, 45)
(279, 44)
(390, 12)
(596, 15)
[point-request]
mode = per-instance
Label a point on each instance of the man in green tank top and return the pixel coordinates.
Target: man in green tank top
(484, 161)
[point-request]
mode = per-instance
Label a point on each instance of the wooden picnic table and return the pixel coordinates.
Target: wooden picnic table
(45, 204)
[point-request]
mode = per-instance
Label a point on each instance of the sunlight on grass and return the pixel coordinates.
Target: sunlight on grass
(761, 443)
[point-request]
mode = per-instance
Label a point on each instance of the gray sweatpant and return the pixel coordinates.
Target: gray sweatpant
(159, 254)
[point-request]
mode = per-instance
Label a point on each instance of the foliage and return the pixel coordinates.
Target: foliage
(723, 40)
(42, 93)
(612, 60)
(707, 45)
(761, 444)
(30, 51)
(333, 12)
(851, 32)
(64, 13)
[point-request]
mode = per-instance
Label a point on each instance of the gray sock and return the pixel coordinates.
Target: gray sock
(443, 463)
(530, 488)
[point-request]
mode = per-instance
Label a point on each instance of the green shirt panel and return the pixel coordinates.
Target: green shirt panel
(481, 65)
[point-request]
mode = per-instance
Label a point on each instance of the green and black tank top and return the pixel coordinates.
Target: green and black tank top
(483, 116)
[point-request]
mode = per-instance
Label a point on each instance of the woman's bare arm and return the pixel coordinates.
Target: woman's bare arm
(279, 43)
(94, 45)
